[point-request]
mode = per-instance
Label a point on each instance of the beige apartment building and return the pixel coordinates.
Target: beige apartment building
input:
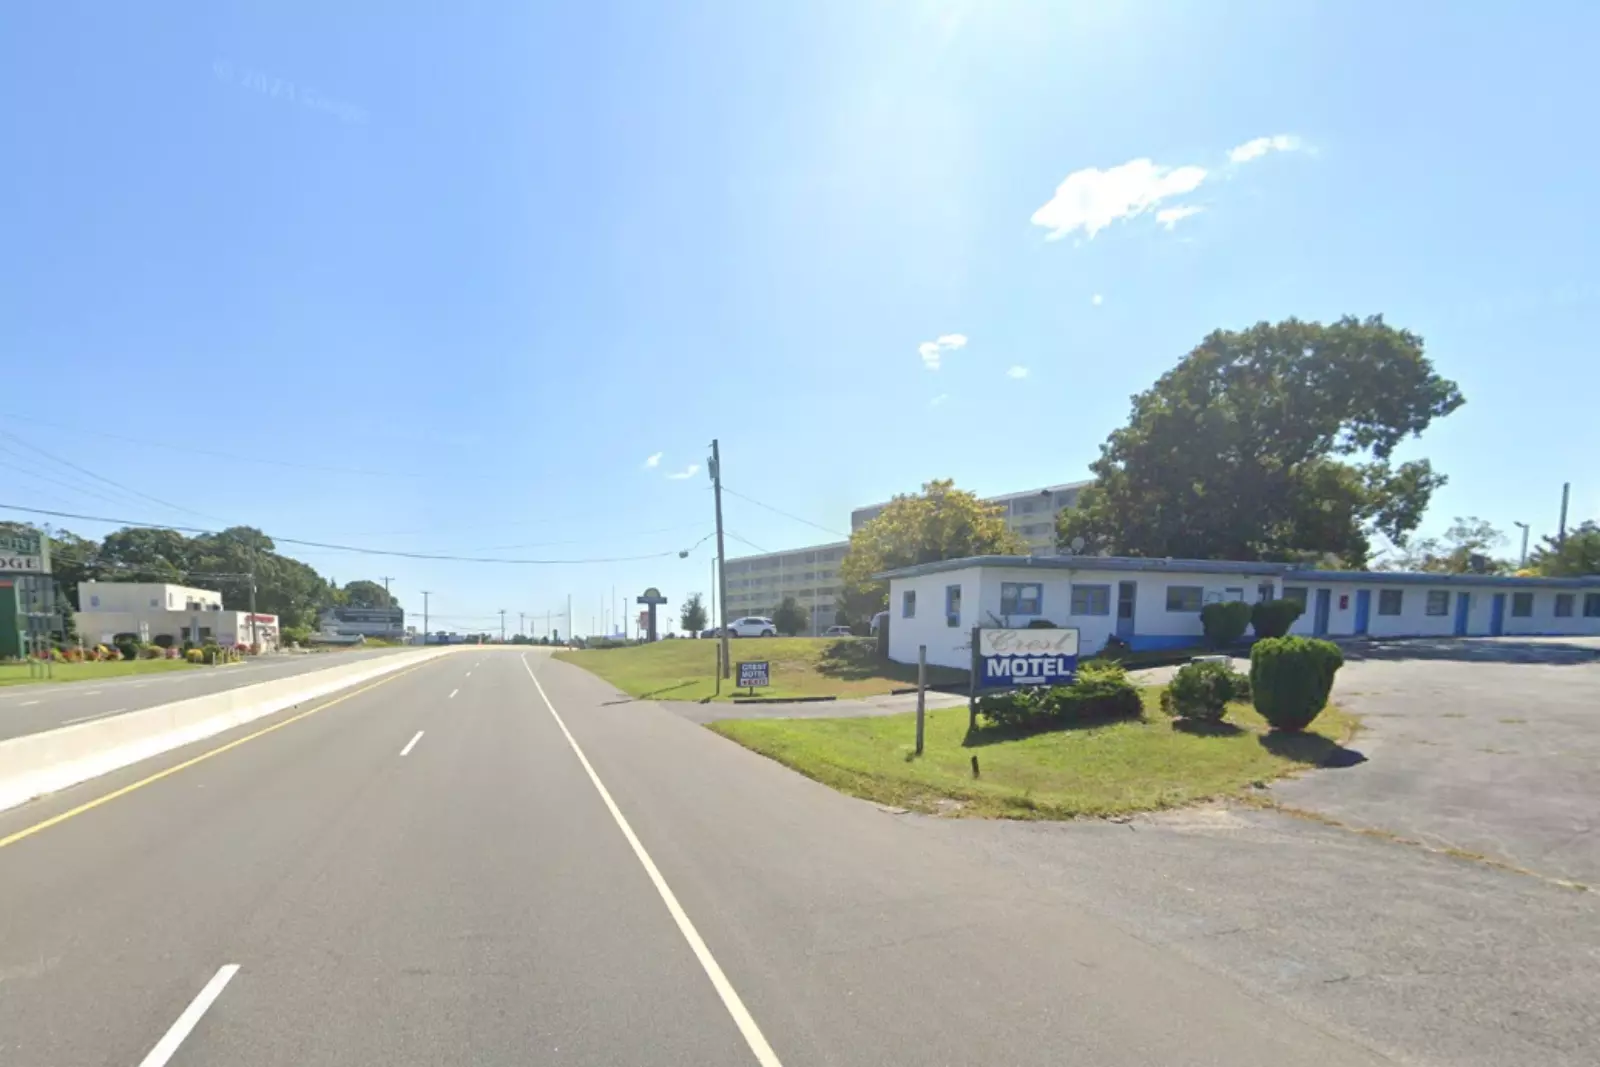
(758, 584)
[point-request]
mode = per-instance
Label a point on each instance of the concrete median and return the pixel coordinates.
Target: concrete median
(41, 763)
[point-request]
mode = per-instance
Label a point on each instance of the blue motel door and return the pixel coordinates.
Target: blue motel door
(1319, 619)
(1497, 615)
(1363, 609)
(1463, 607)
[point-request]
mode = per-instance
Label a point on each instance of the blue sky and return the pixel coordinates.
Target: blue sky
(497, 261)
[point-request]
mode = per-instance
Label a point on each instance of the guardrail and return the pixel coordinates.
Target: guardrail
(36, 764)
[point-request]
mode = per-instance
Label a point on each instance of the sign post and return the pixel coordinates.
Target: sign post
(922, 690)
(753, 673)
(651, 598)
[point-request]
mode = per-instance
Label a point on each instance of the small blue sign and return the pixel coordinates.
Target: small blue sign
(754, 674)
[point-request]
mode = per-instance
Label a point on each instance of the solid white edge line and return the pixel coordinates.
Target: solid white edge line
(411, 743)
(719, 981)
(452, 695)
(170, 1041)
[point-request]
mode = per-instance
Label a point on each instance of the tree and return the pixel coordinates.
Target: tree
(1579, 555)
(943, 522)
(791, 618)
(1239, 451)
(365, 594)
(1465, 548)
(693, 614)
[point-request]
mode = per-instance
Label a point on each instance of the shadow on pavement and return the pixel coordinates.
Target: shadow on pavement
(1314, 749)
(1476, 650)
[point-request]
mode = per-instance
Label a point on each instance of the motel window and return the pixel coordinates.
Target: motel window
(1521, 605)
(1184, 597)
(1389, 601)
(1091, 600)
(952, 605)
(1021, 598)
(1591, 605)
(908, 604)
(1564, 605)
(1438, 602)
(1295, 592)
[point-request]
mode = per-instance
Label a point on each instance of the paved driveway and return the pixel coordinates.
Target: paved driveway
(1487, 745)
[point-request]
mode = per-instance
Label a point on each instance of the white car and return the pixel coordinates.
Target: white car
(752, 626)
(836, 631)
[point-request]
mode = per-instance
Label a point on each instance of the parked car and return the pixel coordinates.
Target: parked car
(709, 631)
(836, 631)
(752, 626)
(877, 620)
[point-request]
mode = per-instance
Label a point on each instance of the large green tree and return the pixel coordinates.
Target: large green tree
(365, 594)
(942, 522)
(1270, 443)
(1577, 556)
(1467, 547)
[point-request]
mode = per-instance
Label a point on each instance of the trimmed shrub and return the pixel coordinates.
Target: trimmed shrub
(1100, 692)
(1272, 618)
(1014, 708)
(1201, 691)
(127, 649)
(1042, 624)
(194, 655)
(1225, 623)
(1290, 679)
(163, 641)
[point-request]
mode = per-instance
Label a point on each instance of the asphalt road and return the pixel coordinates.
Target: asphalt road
(32, 709)
(458, 864)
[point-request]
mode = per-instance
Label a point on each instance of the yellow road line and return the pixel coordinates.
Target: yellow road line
(219, 750)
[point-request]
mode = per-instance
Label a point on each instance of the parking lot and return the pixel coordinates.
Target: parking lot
(1490, 746)
(1469, 949)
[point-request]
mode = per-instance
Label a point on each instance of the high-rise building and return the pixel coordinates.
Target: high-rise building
(758, 584)
(1031, 513)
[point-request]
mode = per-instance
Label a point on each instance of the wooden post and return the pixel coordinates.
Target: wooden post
(972, 684)
(922, 690)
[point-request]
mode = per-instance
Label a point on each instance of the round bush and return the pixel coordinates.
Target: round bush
(1202, 691)
(1225, 623)
(1290, 679)
(1272, 618)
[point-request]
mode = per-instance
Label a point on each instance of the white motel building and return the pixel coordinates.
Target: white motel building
(1155, 603)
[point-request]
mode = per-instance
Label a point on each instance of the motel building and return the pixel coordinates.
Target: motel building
(1155, 603)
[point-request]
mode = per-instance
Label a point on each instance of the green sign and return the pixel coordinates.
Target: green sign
(24, 552)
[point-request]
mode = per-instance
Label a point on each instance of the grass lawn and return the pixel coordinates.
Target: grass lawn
(801, 666)
(17, 673)
(1102, 770)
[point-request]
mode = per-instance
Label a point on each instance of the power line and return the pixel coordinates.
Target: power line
(103, 478)
(785, 514)
(192, 451)
(360, 550)
(746, 541)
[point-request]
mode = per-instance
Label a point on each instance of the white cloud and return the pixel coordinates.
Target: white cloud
(938, 400)
(1097, 300)
(1171, 216)
(933, 351)
(654, 460)
(688, 472)
(1092, 199)
(1259, 147)
(1017, 371)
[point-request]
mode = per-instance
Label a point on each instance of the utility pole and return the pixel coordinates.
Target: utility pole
(425, 616)
(521, 625)
(1561, 531)
(1523, 562)
(502, 626)
(569, 616)
(722, 572)
(386, 580)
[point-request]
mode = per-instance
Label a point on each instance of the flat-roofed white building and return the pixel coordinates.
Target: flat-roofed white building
(152, 609)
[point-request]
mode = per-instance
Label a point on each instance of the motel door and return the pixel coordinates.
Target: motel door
(1363, 609)
(1126, 591)
(1319, 618)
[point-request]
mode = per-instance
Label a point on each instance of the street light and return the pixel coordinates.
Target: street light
(1524, 561)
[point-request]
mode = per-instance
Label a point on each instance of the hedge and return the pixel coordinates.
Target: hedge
(1290, 679)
